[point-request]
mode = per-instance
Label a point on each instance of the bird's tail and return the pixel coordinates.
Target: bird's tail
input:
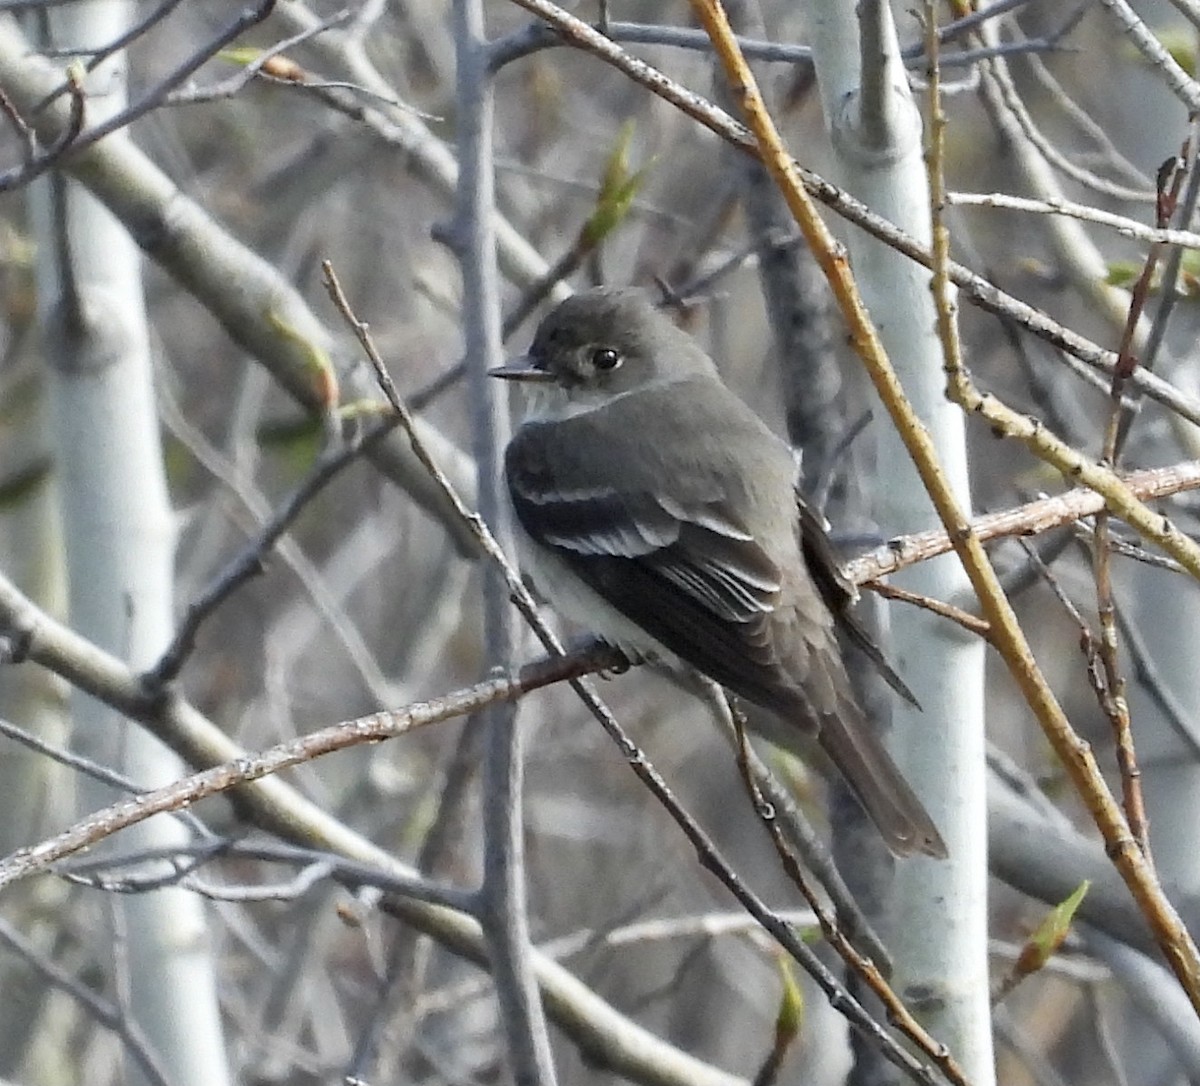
(877, 783)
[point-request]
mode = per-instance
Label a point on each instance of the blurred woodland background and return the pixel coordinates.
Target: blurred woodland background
(174, 372)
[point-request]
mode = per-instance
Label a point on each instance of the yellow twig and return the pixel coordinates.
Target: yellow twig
(1076, 755)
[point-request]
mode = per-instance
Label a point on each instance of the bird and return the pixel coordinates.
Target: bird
(656, 509)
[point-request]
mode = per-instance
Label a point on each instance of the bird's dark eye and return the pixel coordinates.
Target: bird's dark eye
(605, 358)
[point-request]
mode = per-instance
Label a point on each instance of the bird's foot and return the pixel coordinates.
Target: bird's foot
(622, 660)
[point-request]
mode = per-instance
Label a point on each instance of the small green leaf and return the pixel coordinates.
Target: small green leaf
(1045, 940)
(790, 1018)
(1190, 263)
(787, 1025)
(1181, 44)
(241, 55)
(369, 409)
(618, 187)
(1122, 273)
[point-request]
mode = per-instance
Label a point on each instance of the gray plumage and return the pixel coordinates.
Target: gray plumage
(694, 549)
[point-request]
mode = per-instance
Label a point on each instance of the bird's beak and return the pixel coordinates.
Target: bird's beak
(520, 368)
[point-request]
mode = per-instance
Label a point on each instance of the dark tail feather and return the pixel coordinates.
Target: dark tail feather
(885, 795)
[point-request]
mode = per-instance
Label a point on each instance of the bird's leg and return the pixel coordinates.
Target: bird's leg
(622, 660)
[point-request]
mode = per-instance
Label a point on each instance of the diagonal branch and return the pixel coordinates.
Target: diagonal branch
(1173, 938)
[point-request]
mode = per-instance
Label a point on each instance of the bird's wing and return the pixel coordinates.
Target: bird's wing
(840, 595)
(679, 566)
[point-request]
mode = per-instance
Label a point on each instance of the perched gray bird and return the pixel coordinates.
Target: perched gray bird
(656, 509)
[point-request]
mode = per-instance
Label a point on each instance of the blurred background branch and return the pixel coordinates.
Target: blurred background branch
(257, 143)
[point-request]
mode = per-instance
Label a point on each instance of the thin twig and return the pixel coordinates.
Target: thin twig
(89, 768)
(1112, 692)
(97, 55)
(252, 767)
(537, 36)
(252, 559)
(473, 522)
(1185, 88)
(897, 1012)
(1178, 719)
(1168, 293)
(1122, 224)
(708, 855)
(98, 872)
(1035, 517)
(1170, 932)
(969, 622)
(156, 95)
(974, 288)
(108, 1014)
(66, 141)
(1037, 141)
